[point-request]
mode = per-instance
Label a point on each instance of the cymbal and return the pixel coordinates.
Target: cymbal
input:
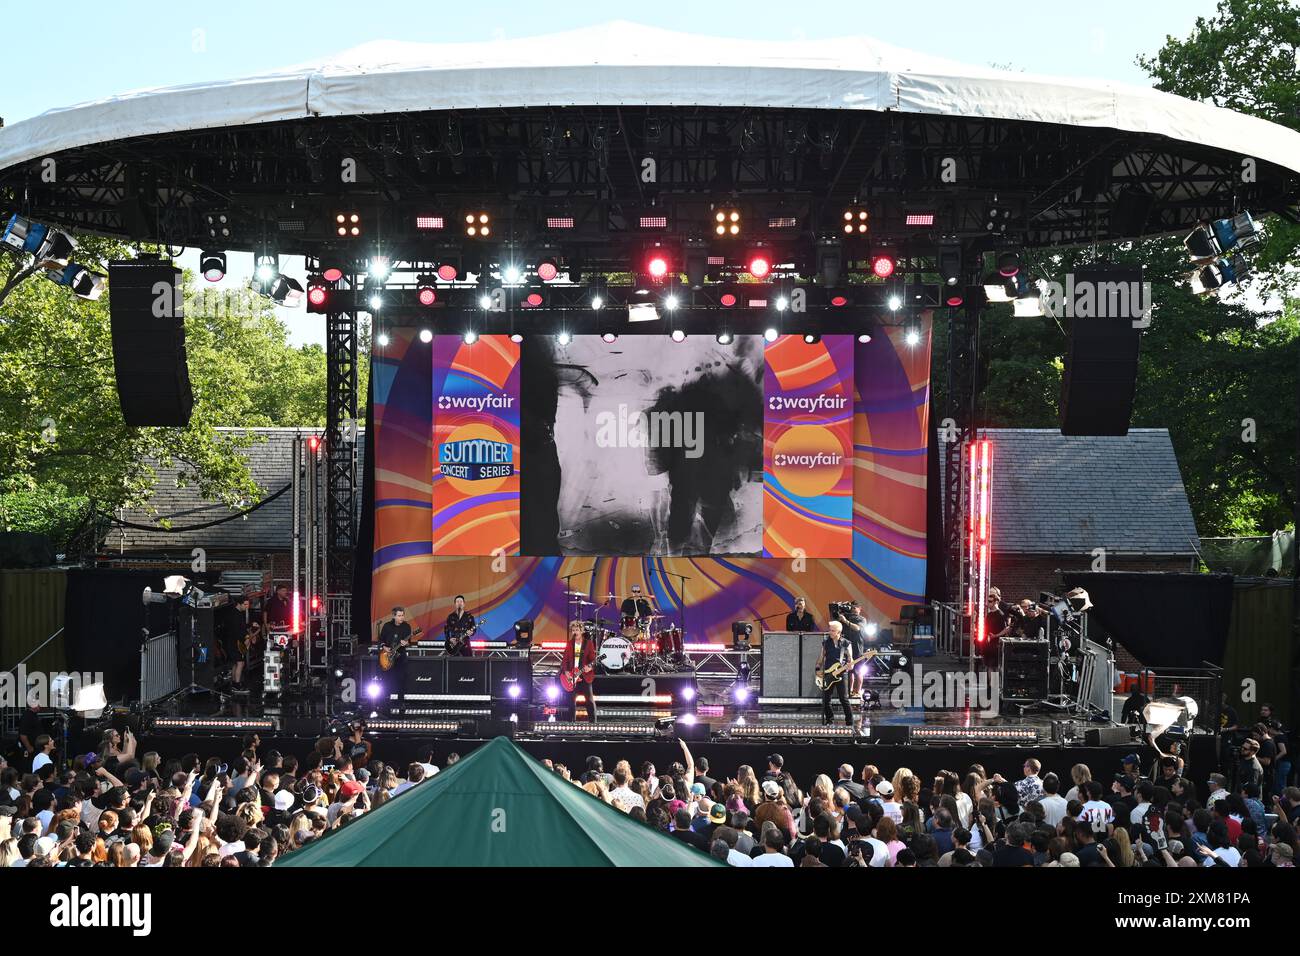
(575, 593)
(584, 603)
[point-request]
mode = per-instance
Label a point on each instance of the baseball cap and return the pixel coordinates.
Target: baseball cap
(885, 788)
(350, 788)
(45, 846)
(776, 760)
(1131, 758)
(283, 800)
(771, 789)
(697, 789)
(718, 813)
(363, 774)
(134, 777)
(1127, 781)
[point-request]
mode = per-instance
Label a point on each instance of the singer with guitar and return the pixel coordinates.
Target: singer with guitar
(835, 651)
(456, 632)
(578, 667)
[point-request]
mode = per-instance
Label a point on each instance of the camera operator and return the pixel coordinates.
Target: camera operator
(999, 619)
(849, 615)
(1031, 622)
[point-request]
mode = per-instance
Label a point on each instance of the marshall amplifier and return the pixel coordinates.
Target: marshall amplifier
(423, 677)
(511, 679)
(467, 677)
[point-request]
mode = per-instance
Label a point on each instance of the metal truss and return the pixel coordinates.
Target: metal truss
(341, 487)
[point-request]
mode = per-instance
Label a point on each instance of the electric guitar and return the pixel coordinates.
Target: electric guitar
(249, 640)
(831, 676)
(390, 654)
(570, 679)
(458, 638)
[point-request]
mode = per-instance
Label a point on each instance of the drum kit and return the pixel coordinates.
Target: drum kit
(641, 644)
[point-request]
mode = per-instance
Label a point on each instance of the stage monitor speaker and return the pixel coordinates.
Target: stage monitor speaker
(780, 664)
(1107, 737)
(148, 327)
(888, 735)
(697, 731)
(483, 729)
(1102, 355)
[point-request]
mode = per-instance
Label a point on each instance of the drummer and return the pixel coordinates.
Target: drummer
(636, 606)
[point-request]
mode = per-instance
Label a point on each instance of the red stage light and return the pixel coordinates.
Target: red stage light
(317, 294)
(313, 443)
(315, 602)
(547, 270)
(533, 300)
(728, 299)
(427, 296)
(332, 274)
(839, 300)
(657, 266)
(448, 272)
(954, 299)
(882, 265)
(759, 267)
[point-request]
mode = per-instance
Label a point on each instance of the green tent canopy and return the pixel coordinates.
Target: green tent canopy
(496, 807)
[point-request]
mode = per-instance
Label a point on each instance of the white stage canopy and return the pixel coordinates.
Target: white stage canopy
(624, 64)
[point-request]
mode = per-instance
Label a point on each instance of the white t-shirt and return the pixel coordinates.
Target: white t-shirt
(893, 809)
(1229, 855)
(1053, 805)
(779, 860)
(736, 858)
(964, 808)
(1097, 814)
(40, 760)
(402, 787)
(628, 797)
(1139, 813)
(429, 770)
(879, 852)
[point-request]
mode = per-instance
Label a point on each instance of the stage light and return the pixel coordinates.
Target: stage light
(677, 335)
(376, 302)
(560, 222)
(811, 338)
(872, 630)
(448, 271)
(695, 253)
(688, 693)
(478, 225)
(895, 303)
(882, 265)
(864, 337)
(533, 300)
(485, 301)
(839, 300)
(597, 303)
(954, 299)
(653, 222)
(83, 283)
(379, 267)
(608, 337)
(727, 299)
(919, 219)
(426, 293)
(512, 275)
(670, 302)
(212, 265)
(513, 690)
(949, 263)
(382, 338)
(726, 221)
(782, 303)
(552, 692)
(770, 335)
(723, 338)
(547, 269)
(470, 337)
(332, 272)
(280, 289)
(374, 689)
(657, 266)
(218, 225)
(1218, 274)
(857, 221)
(430, 222)
(318, 293)
(760, 266)
(830, 261)
(997, 218)
(265, 272)
(1008, 265)
(741, 693)
(516, 337)
(912, 337)
(347, 224)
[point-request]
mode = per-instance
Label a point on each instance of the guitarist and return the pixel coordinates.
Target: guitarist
(835, 650)
(397, 632)
(580, 655)
(457, 630)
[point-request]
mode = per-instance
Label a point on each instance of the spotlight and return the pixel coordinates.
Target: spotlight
(265, 272)
(430, 222)
(485, 301)
(688, 720)
(741, 693)
(770, 335)
(597, 303)
(218, 225)
(670, 302)
(895, 303)
(726, 221)
(563, 338)
(724, 338)
(478, 225)
(677, 335)
(347, 224)
(533, 300)
(688, 693)
(547, 269)
(513, 690)
(83, 283)
(331, 272)
(811, 338)
(949, 263)
(552, 692)
(760, 266)
(657, 266)
(212, 265)
(839, 300)
(608, 337)
(280, 289)
(382, 338)
(695, 252)
(857, 221)
(376, 302)
(864, 337)
(1008, 264)
(882, 265)
(954, 299)
(512, 275)
(374, 689)
(830, 261)
(379, 268)
(516, 337)
(470, 337)
(426, 292)
(912, 338)
(318, 293)
(727, 300)
(997, 218)
(782, 303)
(448, 271)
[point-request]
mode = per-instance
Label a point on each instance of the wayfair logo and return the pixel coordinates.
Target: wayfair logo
(475, 403)
(628, 429)
(807, 403)
(77, 910)
(827, 459)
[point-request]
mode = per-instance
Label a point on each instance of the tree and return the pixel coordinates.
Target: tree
(67, 445)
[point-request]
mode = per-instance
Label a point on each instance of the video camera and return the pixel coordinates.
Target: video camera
(841, 607)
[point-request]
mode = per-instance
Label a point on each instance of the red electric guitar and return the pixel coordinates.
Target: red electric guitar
(570, 678)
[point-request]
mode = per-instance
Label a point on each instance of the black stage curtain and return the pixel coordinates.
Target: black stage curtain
(103, 617)
(936, 564)
(1162, 619)
(363, 555)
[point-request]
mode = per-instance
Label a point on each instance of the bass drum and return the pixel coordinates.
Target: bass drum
(615, 653)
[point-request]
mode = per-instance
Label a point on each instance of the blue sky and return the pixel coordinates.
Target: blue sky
(95, 49)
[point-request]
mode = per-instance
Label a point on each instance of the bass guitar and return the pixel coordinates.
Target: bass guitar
(390, 654)
(832, 675)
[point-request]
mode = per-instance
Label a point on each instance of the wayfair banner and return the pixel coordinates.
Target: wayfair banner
(808, 447)
(476, 445)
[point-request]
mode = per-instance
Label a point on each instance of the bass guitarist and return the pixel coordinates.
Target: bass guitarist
(456, 632)
(578, 667)
(835, 650)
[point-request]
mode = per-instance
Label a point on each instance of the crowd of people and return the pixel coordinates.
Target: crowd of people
(116, 807)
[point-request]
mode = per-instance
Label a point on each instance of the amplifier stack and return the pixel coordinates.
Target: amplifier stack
(1024, 669)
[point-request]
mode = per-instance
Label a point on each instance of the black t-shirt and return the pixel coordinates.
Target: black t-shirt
(30, 725)
(1089, 856)
(635, 607)
(1033, 627)
(391, 633)
(1012, 856)
(278, 611)
(831, 855)
(853, 631)
(797, 622)
(832, 652)
(691, 838)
